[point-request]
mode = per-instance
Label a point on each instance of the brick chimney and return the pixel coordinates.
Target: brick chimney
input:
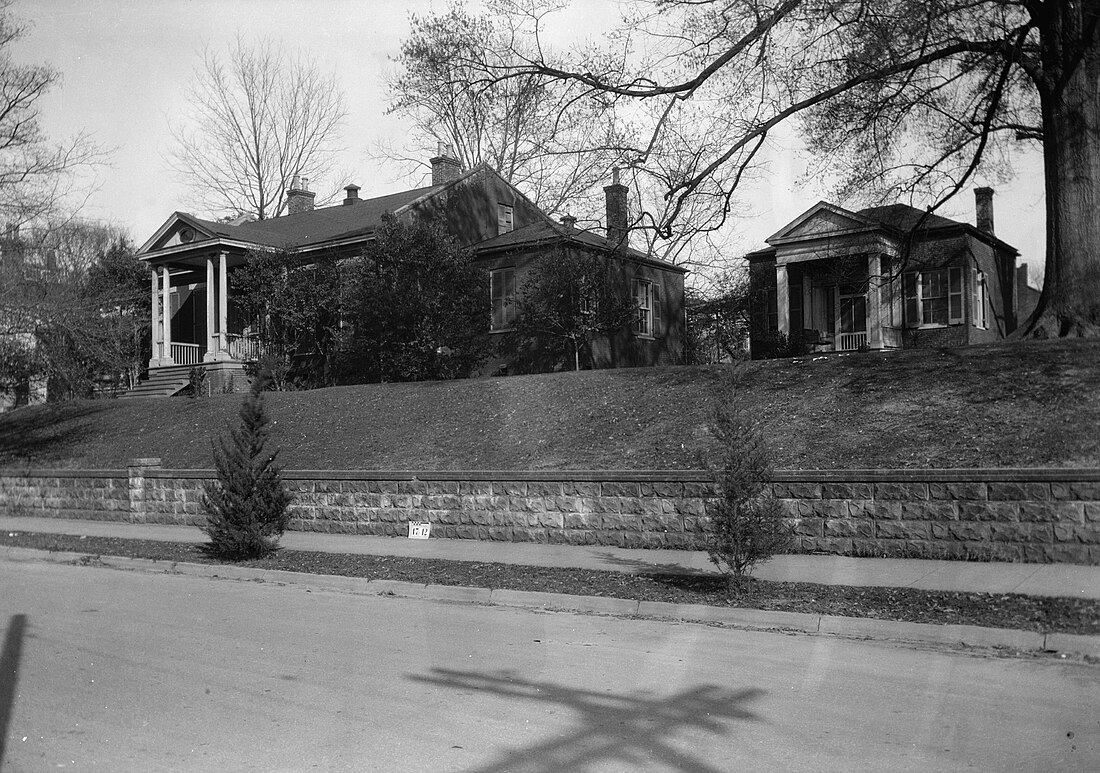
(352, 192)
(983, 206)
(298, 196)
(445, 167)
(617, 215)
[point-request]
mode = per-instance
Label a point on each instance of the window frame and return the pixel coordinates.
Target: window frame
(914, 286)
(507, 298)
(647, 300)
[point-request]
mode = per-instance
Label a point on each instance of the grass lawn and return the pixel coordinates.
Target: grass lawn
(1032, 403)
(1064, 615)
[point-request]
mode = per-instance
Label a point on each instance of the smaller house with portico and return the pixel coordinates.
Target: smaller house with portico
(192, 260)
(880, 278)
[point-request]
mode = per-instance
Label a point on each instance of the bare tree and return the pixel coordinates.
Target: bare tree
(73, 308)
(960, 78)
(37, 177)
(555, 138)
(526, 128)
(259, 117)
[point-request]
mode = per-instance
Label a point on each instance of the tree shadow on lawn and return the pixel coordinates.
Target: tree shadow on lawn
(44, 433)
(634, 730)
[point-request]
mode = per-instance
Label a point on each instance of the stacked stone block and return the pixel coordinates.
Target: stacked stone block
(630, 513)
(101, 495)
(1051, 517)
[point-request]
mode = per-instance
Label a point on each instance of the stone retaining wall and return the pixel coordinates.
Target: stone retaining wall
(1014, 515)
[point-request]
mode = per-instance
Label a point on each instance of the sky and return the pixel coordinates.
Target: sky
(126, 66)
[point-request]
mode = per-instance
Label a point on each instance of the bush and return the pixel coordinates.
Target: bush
(247, 506)
(746, 522)
(196, 382)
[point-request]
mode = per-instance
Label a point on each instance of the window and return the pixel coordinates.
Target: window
(647, 299)
(981, 296)
(933, 298)
(504, 219)
(502, 283)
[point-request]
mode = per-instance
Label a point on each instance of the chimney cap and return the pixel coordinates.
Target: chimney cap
(569, 221)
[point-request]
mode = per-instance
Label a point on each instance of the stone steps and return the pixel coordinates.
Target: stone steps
(162, 382)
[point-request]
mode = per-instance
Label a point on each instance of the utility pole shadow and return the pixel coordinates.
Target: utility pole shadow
(634, 730)
(9, 674)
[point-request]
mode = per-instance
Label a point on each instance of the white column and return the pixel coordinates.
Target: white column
(211, 335)
(874, 301)
(783, 299)
(223, 308)
(154, 321)
(166, 316)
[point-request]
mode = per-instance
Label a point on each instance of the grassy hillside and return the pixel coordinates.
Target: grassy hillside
(1020, 404)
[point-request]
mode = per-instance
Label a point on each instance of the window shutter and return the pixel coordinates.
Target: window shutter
(976, 295)
(504, 219)
(955, 296)
(656, 301)
(912, 303)
(510, 297)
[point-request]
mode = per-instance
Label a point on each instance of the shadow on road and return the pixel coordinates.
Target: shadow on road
(9, 674)
(634, 730)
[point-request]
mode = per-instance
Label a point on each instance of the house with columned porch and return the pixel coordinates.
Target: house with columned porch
(191, 262)
(882, 278)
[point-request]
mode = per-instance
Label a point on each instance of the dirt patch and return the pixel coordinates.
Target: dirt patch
(1045, 615)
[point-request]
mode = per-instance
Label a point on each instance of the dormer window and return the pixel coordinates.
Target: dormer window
(504, 219)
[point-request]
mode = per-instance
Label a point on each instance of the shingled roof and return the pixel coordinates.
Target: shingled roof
(548, 232)
(316, 226)
(905, 218)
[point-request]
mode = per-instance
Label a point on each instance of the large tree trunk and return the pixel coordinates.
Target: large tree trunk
(1070, 98)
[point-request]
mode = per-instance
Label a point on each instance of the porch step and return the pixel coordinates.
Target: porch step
(162, 382)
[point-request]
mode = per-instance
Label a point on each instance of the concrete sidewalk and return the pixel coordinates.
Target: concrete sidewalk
(1065, 580)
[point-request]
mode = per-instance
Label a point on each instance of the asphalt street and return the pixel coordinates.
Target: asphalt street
(121, 671)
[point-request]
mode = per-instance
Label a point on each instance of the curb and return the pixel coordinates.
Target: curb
(736, 617)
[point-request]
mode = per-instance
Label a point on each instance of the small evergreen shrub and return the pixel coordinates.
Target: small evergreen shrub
(196, 382)
(247, 506)
(746, 522)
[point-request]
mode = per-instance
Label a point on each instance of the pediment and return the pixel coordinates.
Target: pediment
(178, 230)
(822, 219)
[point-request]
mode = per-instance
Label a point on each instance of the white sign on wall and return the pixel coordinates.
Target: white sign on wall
(420, 529)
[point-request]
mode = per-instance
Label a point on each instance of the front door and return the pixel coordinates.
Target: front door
(853, 316)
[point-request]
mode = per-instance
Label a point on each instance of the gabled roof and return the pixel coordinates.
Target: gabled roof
(898, 220)
(548, 232)
(841, 219)
(310, 229)
(302, 229)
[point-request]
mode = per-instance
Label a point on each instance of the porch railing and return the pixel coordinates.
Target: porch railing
(187, 354)
(850, 342)
(244, 348)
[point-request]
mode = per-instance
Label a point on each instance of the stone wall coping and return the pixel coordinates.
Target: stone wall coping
(976, 475)
(41, 472)
(945, 475)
